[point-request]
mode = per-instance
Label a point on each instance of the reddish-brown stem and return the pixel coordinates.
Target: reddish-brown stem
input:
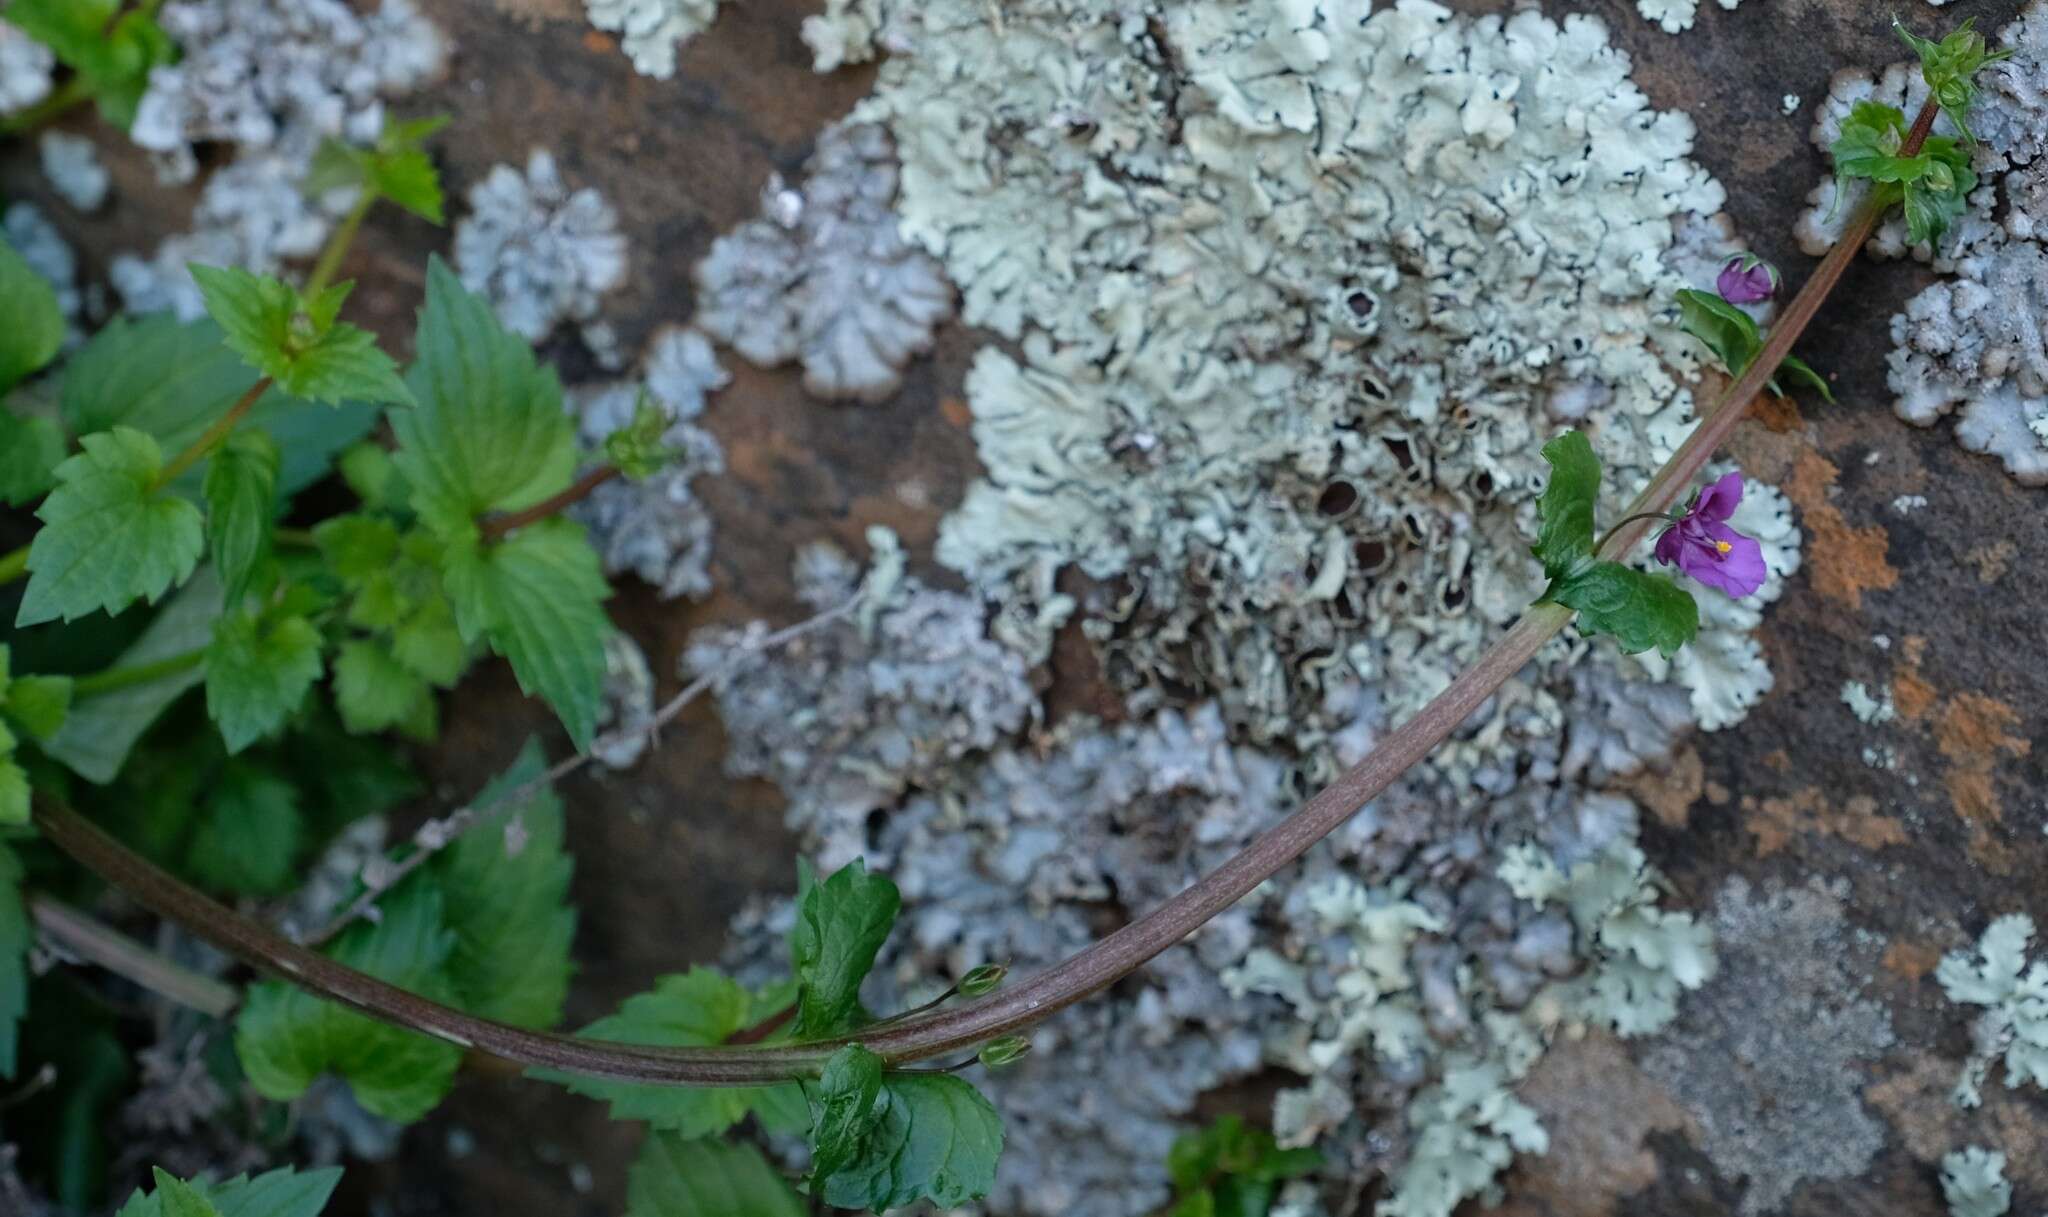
(939, 1032)
(765, 1028)
(497, 527)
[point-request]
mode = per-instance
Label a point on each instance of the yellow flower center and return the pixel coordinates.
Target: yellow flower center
(1724, 547)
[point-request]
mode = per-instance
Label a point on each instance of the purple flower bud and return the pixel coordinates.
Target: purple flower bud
(1702, 545)
(1747, 279)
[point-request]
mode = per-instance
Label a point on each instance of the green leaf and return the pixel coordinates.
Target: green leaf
(241, 503)
(844, 1109)
(428, 645)
(108, 537)
(296, 341)
(1640, 610)
(373, 691)
(14, 787)
(38, 703)
(676, 1176)
(172, 379)
(538, 597)
(280, 1193)
(510, 911)
(180, 1199)
(16, 937)
(249, 833)
(1869, 143)
(30, 449)
(31, 324)
(936, 1139)
(689, 1009)
(489, 432)
(1564, 541)
(114, 51)
(1797, 370)
(638, 448)
(374, 478)
(397, 169)
(257, 674)
(1937, 199)
(840, 926)
(287, 1038)
(101, 730)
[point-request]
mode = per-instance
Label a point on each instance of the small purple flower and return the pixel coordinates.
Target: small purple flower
(1747, 279)
(1701, 544)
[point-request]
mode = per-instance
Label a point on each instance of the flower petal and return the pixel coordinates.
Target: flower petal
(1738, 572)
(1719, 501)
(1671, 546)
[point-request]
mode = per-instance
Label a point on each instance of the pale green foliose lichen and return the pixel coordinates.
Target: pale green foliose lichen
(1973, 1183)
(2014, 993)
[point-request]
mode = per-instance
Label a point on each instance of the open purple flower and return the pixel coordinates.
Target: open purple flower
(1701, 544)
(1747, 279)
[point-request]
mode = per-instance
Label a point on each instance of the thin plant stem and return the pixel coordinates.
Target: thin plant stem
(97, 943)
(13, 565)
(439, 834)
(213, 436)
(114, 679)
(296, 538)
(495, 528)
(338, 242)
(1014, 1007)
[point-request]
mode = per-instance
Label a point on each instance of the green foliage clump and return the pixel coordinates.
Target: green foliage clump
(1640, 611)
(1231, 1170)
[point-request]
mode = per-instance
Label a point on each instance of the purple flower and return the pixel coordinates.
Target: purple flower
(1747, 279)
(1701, 544)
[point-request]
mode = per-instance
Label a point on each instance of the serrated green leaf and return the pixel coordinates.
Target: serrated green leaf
(16, 937)
(844, 1109)
(257, 674)
(488, 432)
(241, 503)
(296, 342)
(373, 691)
(101, 730)
(538, 596)
(689, 1009)
(279, 1193)
(287, 1038)
(1564, 539)
(509, 911)
(676, 1176)
(639, 448)
(172, 379)
(1938, 198)
(936, 1139)
(249, 835)
(38, 704)
(840, 925)
(109, 538)
(358, 548)
(397, 169)
(429, 646)
(112, 50)
(1869, 143)
(30, 450)
(178, 1198)
(1733, 337)
(1639, 610)
(31, 324)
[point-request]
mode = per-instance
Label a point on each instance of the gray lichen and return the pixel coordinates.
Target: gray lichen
(251, 215)
(651, 31)
(26, 68)
(72, 165)
(824, 278)
(657, 528)
(279, 76)
(40, 245)
(1674, 16)
(541, 253)
(1277, 381)
(1793, 1035)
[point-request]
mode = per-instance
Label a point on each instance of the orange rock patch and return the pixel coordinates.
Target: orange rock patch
(1844, 562)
